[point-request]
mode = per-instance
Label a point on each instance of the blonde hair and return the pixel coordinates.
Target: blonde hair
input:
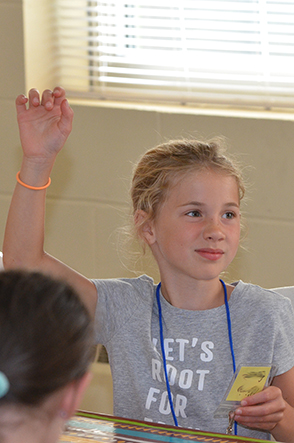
(160, 166)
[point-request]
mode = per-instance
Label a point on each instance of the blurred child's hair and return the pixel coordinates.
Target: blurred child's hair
(46, 336)
(159, 168)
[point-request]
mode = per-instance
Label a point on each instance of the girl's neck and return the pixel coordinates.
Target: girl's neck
(30, 431)
(195, 295)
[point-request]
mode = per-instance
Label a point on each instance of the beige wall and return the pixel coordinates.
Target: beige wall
(87, 200)
(11, 83)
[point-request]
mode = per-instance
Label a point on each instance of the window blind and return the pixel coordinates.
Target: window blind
(212, 52)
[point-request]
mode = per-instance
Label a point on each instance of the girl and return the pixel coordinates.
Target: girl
(173, 348)
(46, 347)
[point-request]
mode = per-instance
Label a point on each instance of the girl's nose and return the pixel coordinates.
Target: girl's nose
(213, 231)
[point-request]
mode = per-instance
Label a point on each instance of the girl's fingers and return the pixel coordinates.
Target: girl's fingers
(52, 98)
(47, 99)
(265, 411)
(20, 102)
(66, 118)
(264, 423)
(269, 396)
(262, 410)
(260, 413)
(59, 95)
(34, 98)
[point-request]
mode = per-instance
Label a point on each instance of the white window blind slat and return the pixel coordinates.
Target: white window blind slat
(233, 52)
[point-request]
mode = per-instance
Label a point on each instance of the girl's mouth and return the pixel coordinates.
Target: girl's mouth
(210, 254)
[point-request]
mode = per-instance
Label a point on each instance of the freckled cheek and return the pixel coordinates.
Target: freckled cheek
(235, 240)
(239, 233)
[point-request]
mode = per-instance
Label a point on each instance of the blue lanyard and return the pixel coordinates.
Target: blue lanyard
(163, 355)
(163, 352)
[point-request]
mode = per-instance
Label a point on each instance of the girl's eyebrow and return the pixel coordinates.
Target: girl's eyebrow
(195, 203)
(234, 204)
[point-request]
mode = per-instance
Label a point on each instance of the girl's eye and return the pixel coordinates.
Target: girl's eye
(229, 215)
(194, 214)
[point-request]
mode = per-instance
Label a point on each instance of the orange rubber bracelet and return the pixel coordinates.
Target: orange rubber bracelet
(34, 188)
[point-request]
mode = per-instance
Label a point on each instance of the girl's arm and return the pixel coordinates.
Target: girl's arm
(271, 409)
(44, 126)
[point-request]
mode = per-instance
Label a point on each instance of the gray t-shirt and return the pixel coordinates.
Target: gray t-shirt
(197, 348)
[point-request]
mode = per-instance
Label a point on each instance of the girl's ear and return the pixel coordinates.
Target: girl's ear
(144, 227)
(73, 394)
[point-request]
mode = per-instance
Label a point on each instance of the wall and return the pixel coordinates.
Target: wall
(12, 82)
(88, 200)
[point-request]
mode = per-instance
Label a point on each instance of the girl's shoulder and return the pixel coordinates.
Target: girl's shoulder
(142, 286)
(255, 294)
(142, 280)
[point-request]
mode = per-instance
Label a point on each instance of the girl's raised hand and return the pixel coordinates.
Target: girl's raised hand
(44, 123)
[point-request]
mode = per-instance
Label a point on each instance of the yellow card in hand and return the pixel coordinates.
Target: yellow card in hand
(249, 381)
